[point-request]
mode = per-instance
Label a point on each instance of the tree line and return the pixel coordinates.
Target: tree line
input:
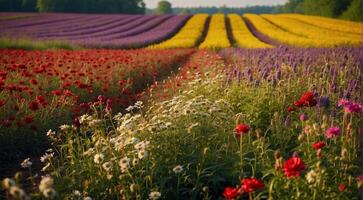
(75, 6)
(345, 9)
(226, 10)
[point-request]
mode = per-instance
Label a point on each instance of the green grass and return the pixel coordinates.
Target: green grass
(29, 44)
(14, 17)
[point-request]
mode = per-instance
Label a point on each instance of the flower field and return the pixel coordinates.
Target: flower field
(209, 107)
(184, 31)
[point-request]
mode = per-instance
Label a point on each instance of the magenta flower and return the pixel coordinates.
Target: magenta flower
(332, 132)
(353, 107)
(350, 107)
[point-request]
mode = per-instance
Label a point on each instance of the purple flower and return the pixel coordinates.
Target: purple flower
(332, 132)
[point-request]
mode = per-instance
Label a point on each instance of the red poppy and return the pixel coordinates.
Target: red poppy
(241, 129)
(318, 145)
(293, 167)
(231, 193)
(251, 184)
(29, 119)
(57, 92)
(34, 106)
(291, 109)
(307, 99)
(342, 187)
(2, 103)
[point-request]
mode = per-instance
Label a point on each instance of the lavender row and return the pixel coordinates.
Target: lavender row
(76, 23)
(125, 32)
(284, 63)
(155, 35)
(87, 28)
(118, 29)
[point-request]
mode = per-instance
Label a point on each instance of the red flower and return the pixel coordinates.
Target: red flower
(29, 119)
(57, 92)
(231, 193)
(342, 187)
(2, 103)
(307, 99)
(318, 145)
(251, 184)
(291, 109)
(293, 166)
(241, 129)
(34, 106)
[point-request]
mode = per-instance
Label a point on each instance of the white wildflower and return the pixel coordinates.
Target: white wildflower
(17, 193)
(133, 187)
(89, 152)
(107, 166)
(129, 109)
(45, 167)
(142, 154)
(178, 169)
(49, 193)
(46, 156)
(45, 183)
(8, 182)
(77, 193)
(51, 133)
(64, 127)
(154, 195)
(124, 164)
(135, 161)
(98, 158)
(26, 163)
(311, 176)
(87, 198)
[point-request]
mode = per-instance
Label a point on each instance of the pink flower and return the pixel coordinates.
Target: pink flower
(332, 132)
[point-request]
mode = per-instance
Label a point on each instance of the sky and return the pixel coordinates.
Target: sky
(228, 3)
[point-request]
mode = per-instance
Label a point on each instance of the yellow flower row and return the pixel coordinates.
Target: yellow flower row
(326, 36)
(288, 37)
(328, 23)
(217, 37)
(242, 35)
(188, 36)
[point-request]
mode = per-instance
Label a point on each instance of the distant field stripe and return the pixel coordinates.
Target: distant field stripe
(242, 35)
(163, 31)
(188, 36)
(329, 23)
(43, 21)
(130, 23)
(276, 33)
(90, 30)
(217, 37)
(148, 25)
(310, 31)
(77, 21)
(79, 24)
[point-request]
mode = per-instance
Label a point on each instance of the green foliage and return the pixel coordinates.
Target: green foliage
(164, 7)
(50, 5)
(74, 6)
(28, 44)
(353, 12)
(346, 9)
(327, 8)
(227, 10)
